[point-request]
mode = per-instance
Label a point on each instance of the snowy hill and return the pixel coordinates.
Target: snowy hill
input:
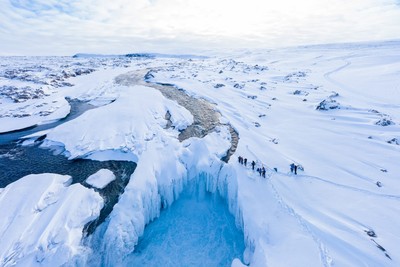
(333, 110)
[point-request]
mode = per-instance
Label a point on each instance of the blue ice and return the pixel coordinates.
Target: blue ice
(196, 230)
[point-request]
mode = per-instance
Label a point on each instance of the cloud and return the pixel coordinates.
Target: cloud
(102, 26)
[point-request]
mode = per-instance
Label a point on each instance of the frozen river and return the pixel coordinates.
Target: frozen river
(197, 230)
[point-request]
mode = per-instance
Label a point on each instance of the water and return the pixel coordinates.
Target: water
(77, 108)
(197, 230)
(18, 161)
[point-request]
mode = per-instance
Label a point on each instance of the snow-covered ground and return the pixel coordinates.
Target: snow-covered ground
(42, 218)
(333, 109)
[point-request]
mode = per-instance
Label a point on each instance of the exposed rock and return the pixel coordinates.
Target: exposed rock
(239, 86)
(274, 140)
(300, 92)
(384, 122)
(394, 141)
(334, 94)
(371, 233)
(328, 104)
(21, 94)
(149, 75)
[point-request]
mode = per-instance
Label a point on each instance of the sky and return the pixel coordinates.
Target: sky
(66, 27)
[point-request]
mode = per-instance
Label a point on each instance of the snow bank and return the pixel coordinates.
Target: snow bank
(127, 124)
(16, 116)
(44, 227)
(101, 178)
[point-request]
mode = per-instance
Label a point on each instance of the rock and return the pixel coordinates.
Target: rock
(274, 140)
(384, 122)
(219, 85)
(328, 104)
(371, 233)
(149, 75)
(334, 94)
(300, 92)
(238, 86)
(394, 141)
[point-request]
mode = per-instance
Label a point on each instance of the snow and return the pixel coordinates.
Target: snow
(30, 91)
(101, 178)
(16, 116)
(44, 227)
(127, 124)
(319, 217)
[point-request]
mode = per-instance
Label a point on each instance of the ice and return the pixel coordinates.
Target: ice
(44, 227)
(196, 230)
(127, 124)
(101, 178)
(320, 217)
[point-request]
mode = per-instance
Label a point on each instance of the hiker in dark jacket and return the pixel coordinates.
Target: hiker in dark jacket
(253, 163)
(292, 167)
(245, 161)
(263, 172)
(295, 169)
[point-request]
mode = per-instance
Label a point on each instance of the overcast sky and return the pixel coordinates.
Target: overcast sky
(65, 27)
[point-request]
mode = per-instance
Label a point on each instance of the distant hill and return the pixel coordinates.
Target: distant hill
(138, 55)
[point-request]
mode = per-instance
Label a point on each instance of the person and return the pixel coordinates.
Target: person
(260, 171)
(295, 169)
(253, 163)
(245, 161)
(292, 167)
(263, 172)
(240, 160)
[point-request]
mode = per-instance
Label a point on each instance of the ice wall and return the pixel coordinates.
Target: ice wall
(157, 182)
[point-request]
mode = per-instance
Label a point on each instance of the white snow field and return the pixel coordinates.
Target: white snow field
(333, 109)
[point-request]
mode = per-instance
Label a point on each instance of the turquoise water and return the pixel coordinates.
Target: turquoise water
(197, 230)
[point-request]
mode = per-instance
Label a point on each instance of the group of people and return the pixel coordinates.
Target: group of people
(243, 161)
(262, 170)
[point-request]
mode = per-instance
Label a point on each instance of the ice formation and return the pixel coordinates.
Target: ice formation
(340, 210)
(42, 218)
